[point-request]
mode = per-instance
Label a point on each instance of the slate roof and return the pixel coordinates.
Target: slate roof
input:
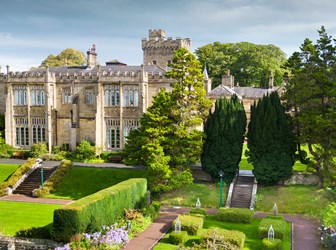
(221, 91)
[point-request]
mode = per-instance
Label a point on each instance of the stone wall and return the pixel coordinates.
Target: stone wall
(7, 242)
(303, 179)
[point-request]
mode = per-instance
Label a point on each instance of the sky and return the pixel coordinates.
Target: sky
(32, 30)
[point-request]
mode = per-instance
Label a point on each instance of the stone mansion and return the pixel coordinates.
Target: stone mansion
(65, 105)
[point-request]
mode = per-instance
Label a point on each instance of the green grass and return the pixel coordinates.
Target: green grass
(187, 196)
(82, 181)
(294, 199)
(22, 215)
(6, 170)
(252, 241)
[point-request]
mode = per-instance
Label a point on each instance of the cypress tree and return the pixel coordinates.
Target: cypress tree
(223, 146)
(271, 145)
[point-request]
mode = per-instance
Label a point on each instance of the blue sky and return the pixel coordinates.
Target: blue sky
(32, 30)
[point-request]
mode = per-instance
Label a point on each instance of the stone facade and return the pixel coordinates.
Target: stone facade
(65, 105)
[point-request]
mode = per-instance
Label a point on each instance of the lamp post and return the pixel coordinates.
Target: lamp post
(40, 162)
(221, 188)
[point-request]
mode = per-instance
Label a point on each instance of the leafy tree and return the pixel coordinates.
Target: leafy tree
(168, 140)
(249, 63)
(223, 146)
(73, 57)
(312, 95)
(271, 145)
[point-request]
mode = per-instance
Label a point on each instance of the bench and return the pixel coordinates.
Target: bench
(18, 155)
(116, 158)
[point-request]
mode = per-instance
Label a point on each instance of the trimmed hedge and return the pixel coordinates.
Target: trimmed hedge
(17, 175)
(279, 227)
(105, 207)
(191, 224)
(52, 183)
(178, 238)
(233, 237)
(271, 245)
(235, 215)
(198, 211)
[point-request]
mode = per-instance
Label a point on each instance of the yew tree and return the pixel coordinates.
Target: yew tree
(311, 93)
(169, 138)
(223, 146)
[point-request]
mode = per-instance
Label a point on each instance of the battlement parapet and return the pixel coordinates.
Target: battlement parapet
(166, 44)
(25, 77)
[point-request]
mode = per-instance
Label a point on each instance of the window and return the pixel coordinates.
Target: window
(22, 134)
(131, 96)
(112, 95)
(128, 126)
(20, 95)
(38, 130)
(89, 96)
(37, 95)
(66, 95)
(112, 134)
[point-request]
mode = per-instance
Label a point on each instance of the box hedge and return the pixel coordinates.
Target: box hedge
(198, 211)
(178, 238)
(279, 227)
(105, 207)
(191, 224)
(52, 183)
(271, 245)
(233, 237)
(19, 172)
(235, 215)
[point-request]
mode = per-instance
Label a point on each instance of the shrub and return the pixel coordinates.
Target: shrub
(198, 211)
(37, 150)
(191, 224)
(271, 245)
(85, 151)
(152, 210)
(51, 184)
(279, 227)
(17, 174)
(235, 215)
(329, 216)
(233, 237)
(105, 207)
(178, 238)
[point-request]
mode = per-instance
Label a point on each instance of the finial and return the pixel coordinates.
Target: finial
(93, 48)
(7, 66)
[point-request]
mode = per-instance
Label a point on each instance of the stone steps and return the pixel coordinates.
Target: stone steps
(242, 192)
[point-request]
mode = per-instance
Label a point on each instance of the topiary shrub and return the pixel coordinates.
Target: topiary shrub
(191, 224)
(85, 151)
(34, 232)
(51, 184)
(223, 236)
(271, 245)
(198, 211)
(178, 238)
(152, 210)
(235, 215)
(279, 227)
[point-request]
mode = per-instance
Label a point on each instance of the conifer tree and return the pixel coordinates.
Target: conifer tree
(168, 139)
(271, 145)
(223, 146)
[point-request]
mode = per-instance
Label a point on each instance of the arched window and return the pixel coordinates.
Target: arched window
(25, 99)
(33, 97)
(131, 98)
(42, 98)
(117, 95)
(112, 98)
(107, 97)
(126, 131)
(16, 97)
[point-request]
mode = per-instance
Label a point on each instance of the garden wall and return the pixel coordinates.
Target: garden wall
(303, 179)
(26, 243)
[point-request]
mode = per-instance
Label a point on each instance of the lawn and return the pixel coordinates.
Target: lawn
(83, 181)
(22, 215)
(187, 196)
(252, 241)
(6, 170)
(294, 199)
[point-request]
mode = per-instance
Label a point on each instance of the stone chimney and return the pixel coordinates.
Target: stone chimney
(207, 81)
(228, 80)
(92, 57)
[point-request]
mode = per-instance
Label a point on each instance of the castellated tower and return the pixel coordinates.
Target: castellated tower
(159, 50)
